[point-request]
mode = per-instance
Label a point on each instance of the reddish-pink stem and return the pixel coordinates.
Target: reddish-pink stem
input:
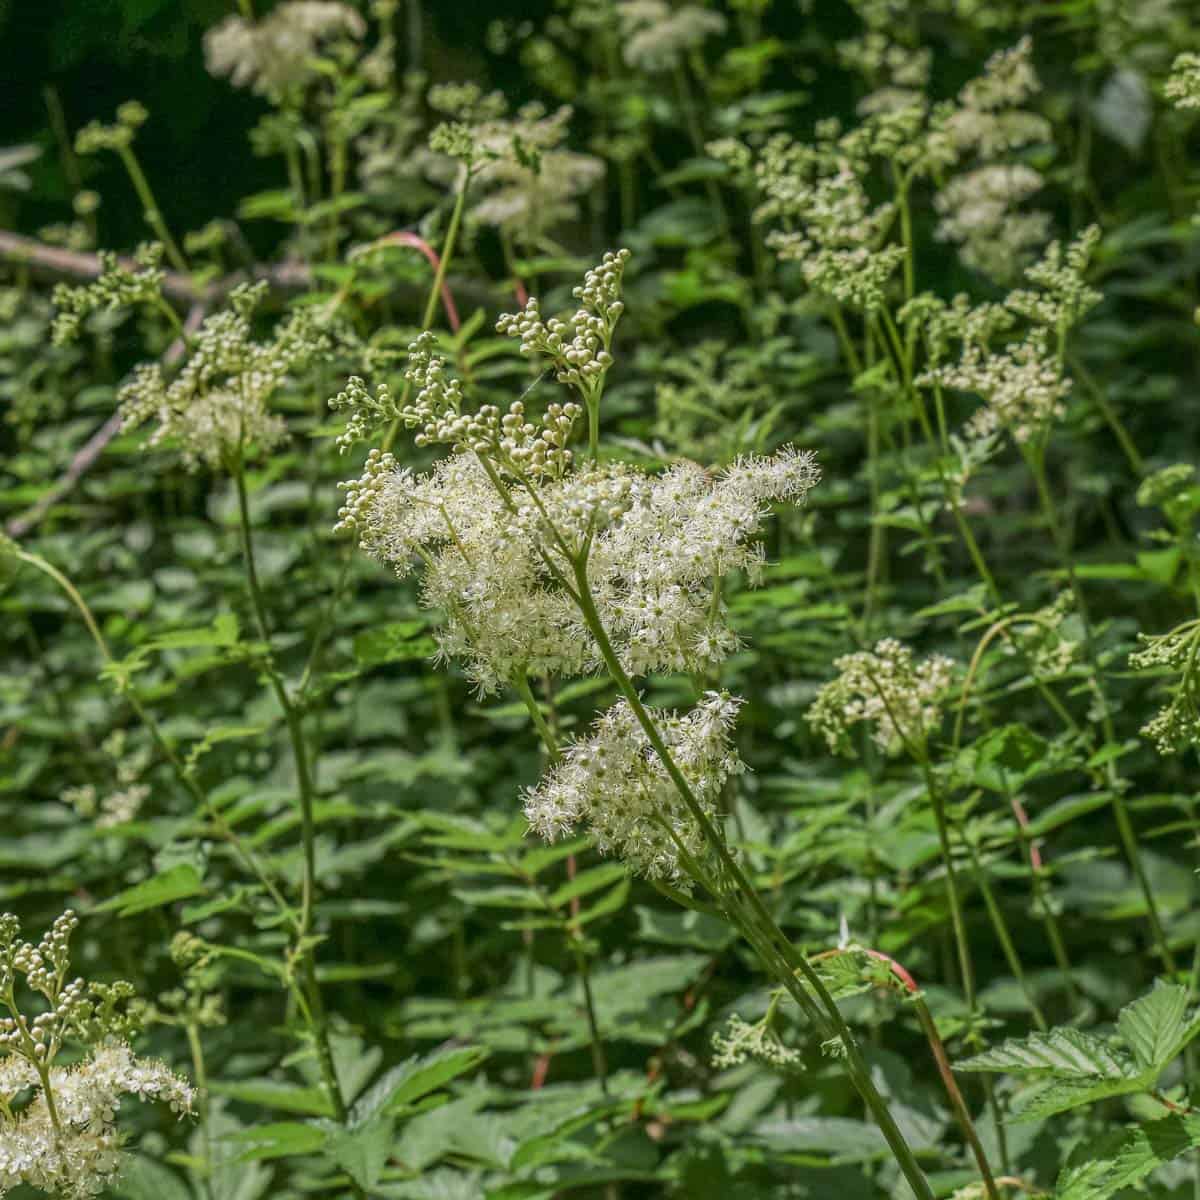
(940, 1058)
(1035, 855)
(402, 237)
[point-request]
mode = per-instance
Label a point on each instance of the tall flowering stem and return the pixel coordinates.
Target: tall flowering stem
(304, 782)
(938, 1049)
(747, 908)
(1035, 458)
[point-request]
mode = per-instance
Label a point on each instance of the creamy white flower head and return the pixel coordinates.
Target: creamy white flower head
(1022, 387)
(274, 54)
(614, 783)
(1183, 87)
(497, 567)
(739, 1041)
(979, 212)
(82, 1156)
(655, 35)
(885, 688)
(216, 406)
(530, 181)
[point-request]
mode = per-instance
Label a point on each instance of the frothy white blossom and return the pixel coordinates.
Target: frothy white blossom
(614, 783)
(887, 689)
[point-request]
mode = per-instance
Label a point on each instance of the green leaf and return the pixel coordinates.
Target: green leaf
(418, 1076)
(401, 641)
(362, 1152)
(1125, 1158)
(588, 881)
(270, 1093)
(1060, 1095)
(1059, 1053)
(1155, 1027)
(166, 887)
(281, 1139)
(222, 632)
(143, 1179)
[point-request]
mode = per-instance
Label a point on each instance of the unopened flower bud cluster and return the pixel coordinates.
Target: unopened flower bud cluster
(1022, 385)
(1176, 726)
(578, 349)
(117, 287)
(1183, 86)
(95, 137)
(215, 408)
(885, 688)
(740, 1041)
(64, 1141)
(614, 784)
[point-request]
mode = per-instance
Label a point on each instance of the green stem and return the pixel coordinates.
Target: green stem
(306, 793)
(201, 1076)
(938, 803)
(1035, 458)
(153, 213)
(435, 291)
(774, 947)
(1003, 934)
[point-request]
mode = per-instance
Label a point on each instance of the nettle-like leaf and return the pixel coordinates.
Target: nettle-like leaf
(1068, 1068)
(1059, 1053)
(1123, 1159)
(1155, 1027)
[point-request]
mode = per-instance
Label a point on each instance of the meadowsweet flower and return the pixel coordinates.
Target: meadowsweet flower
(530, 181)
(885, 688)
(1183, 86)
(978, 211)
(64, 1139)
(76, 1152)
(739, 1041)
(1176, 725)
(505, 521)
(1062, 297)
(216, 406)
(980, 208)
(655, 36)
(614, 783)
(1022, 388)
(117, 287)
(831, 228)
(274, 56)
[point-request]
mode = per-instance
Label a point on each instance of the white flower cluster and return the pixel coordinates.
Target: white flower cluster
(614, 783)
(531, 181)
(115, 808)
(1176, 726)
(740, 1040)
(830, 226)
(63, 1138)
(980, 208)
(655, 36)
(274, 55)
(887, 689)
(1022, 389)
(1183, 86)
(1022, 385)
(73, 1151)
(216, 406)
(584, 360)
(496, 561)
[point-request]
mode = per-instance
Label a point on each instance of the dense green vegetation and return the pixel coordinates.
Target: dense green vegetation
(732, 733)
